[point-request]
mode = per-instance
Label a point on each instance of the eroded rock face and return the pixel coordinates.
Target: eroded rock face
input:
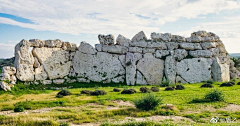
(220, 71)
(106, 39)
(139, 36)
(151, 68)
(141, 79)
(121, 40)
(195, 70)
(54, 60)
(131, 59)
(40, 73)
(86, 48)
(170, 69)
(117, 49)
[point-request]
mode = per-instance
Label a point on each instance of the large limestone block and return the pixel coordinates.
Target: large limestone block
(121, 40)
(195, 70)
(131, 59)
(190, 46)
(220, 72)
(200, 33)
(141, 79)
(106, 39)
(135, 49)
(172, 45)
(201, 53)
(157, 45)
(86, 48)
(54, 60)
(151, 68)
(208, 45)
(166, 37)
(138, 44)
(5, 86)
(180, 54)
(97, 68)
(170, 69)
(40, 73)
(177, 38)
(139, 36)
(53, 43)
(36, 63)
(214, 51)
(149, 50)
(37, 43)
(98, 47)
(69, 46)
(161, 53)
(9, 70)
(24, 61)
(114, 49)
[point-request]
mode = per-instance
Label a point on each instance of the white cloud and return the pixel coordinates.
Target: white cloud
(7, 50)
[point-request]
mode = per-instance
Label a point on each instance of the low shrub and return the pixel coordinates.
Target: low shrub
(214, 95)
(180, 87)
(116, 90)
(63, 93)
(145, 90)
(227, 84)
(169, 88)
(238, 83)
(155, 89)
(88, 92)
(128, 91)
(99, 92)
(207, 85)
(210, 81)
(165, 83)
(18, 109)
(148, 102)
(59, 96)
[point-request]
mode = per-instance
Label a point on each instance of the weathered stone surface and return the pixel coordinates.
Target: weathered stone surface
(161, 53)
(5, 86)
(40, 73)
(130, 69)
(172, 45)
(151, 68)
(9, 70)
(180, 54)
(139, 36)
(220, 72)
(141, 79)
(36, 63)
(180, 80)
(214, 51)
(194, 39)
(69, 46)
(121, 40)
(138, 44)
(201, 53)
(53, 43)
(46, 82)
(195, 70)
(157, 45)
(208, 39)
(98, 67)
(170, 69)
(83, 80)
(5, 76)
(200, 33)
(122, 59)
(86, 48)
(106, 39)
(54, 60)
(161, 37)
(190, 46)
(119, 79)
(208, 45)
(222, 49)
(135, 49)
(177, 38)
(58, 81)
(98, 47)
(24, 61)
(115, 49)
(37, 43)
(149, 50)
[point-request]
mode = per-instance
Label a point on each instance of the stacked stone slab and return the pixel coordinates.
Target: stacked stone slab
(139, 60)
(8, 78)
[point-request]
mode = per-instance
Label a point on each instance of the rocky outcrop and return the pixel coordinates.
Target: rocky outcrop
(197, 58)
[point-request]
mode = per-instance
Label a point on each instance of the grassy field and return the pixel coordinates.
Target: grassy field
(43, 108)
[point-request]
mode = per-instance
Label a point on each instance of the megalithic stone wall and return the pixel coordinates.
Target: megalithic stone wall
(200, 57)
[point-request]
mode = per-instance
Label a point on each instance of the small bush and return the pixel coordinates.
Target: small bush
(99, 92)
(116, 90)
(165, 83)
(180, 87)
(88, 92)
(59, 96)
(145, 90)
(169, 88)
(63, 93)
(148, 102)
(214, 95)
(210, 81)
(207, 85)
(128, 91)
(238, 83)
(227, 84)
(19, 109)
(155, 89)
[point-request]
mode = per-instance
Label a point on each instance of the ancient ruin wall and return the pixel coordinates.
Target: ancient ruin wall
(200, 57)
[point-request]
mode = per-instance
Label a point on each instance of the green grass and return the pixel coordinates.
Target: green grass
(76, 109)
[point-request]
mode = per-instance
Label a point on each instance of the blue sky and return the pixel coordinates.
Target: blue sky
(77, 21)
